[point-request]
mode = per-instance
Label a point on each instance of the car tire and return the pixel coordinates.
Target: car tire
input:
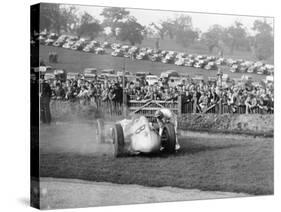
(169, 138)
(100, 131)
(118, 140)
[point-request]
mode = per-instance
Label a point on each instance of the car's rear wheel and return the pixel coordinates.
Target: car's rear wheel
(100, 131)
(168, 138)
(118, 140)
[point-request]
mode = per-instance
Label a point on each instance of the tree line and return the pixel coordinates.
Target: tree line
(125, 27)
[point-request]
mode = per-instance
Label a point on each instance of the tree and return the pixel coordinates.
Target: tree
(113, 16)
(263, 42)
(183, 30)
(70, 19)
(236, 36)
(131, 31)
(160, 30)
(49, 15)
(57, 17)
(169, 28)
(214, 37)
(262, 27)
(89, 26)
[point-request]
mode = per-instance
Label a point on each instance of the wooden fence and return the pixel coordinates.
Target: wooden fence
(147, 108)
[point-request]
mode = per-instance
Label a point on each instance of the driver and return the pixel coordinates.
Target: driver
(165, 115)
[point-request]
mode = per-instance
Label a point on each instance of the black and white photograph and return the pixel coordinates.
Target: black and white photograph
(134, 106)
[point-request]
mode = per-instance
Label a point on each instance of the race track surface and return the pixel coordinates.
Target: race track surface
(70, 193)
(208, 162)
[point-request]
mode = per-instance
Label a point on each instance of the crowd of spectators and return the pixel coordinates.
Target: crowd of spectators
(202, 95)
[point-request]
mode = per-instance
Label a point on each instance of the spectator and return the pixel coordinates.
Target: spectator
(45, 97)
(59, 91)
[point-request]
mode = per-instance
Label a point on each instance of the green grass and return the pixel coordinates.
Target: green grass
(76, 61)
(222, 163)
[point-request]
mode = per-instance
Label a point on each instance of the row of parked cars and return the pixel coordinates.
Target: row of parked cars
(73, 43)
(190, 60)
(154, 55)
(242, 66)
(172, 77)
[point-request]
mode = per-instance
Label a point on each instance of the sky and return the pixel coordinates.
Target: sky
(201, 21)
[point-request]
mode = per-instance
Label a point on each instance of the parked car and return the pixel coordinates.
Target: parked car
(163, 53)
(60, 74)
(90, 73)
(117, 53)
(189, 62)
(169, 73)
(120, 73)
(95, 43)
(169, 58)
(49, 41)
(125, 48)
(155, 58)
(180, 61)
(211, 66)
(252, 69)
(53, 35)
(133, 49)
(115, 46)
(234, 68)
(174, 81)
(68, 44)
(73, 75)
(89, 48)
(261, 70)
(49, 76)
(200, 57)
(60, 41)
(181, 55)
(221, 61)
(199, 64)
(152, 79)
(41, 39)
(105, 45)
(99, 50)
(142, 56)
(108, 71)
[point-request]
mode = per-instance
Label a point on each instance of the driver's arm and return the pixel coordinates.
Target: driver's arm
(161, 126)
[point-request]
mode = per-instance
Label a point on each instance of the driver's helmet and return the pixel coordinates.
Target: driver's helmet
(159, 114)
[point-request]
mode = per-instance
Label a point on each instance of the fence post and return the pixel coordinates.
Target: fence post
(125, 99)
(220, 107)
(179, 105)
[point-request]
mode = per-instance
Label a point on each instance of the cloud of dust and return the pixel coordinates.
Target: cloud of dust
(76, 136)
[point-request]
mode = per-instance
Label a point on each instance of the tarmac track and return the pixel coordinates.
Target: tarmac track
(70, 193)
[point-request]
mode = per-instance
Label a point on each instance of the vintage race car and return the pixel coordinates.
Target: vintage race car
(137, 135)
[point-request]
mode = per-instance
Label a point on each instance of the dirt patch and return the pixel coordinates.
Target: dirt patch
(231, 123)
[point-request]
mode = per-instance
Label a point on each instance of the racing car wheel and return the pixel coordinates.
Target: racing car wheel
(168, 138)
(118, 140)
